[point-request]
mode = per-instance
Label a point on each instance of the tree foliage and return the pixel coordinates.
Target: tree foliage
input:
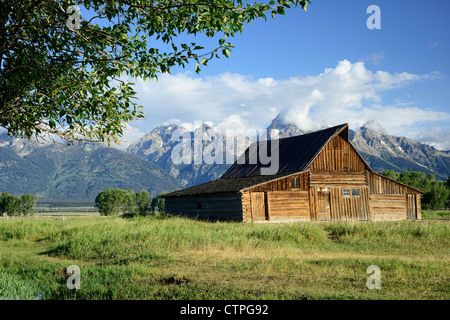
(142, 202)
(158, 204)
(15, 206)
(70, 81)
(113, 202)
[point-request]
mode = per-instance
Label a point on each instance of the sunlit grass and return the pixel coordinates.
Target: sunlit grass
(136, 258)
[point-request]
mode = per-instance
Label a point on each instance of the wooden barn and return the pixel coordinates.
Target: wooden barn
(320, 177)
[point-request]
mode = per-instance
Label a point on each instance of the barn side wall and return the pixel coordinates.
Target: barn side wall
(328, 200)
(275, 206)
(390, 200)
(220, 206)
(388, 207)
(288, 205)
(279, 199)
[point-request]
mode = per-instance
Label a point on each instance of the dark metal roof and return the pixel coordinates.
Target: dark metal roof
(295, 154)
(223, 186)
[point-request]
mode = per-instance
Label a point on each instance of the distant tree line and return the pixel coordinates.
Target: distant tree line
(112, 202)
(437, 193)
(16, 206)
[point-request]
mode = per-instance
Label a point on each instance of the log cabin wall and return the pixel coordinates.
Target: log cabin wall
(391, 200)
(388, 207)
(338, 184)
(339, 196)
(350, 203)
(333, 178)
(284, 184)
(419, 207)
(221, 206)
(284, 199)
(246, 206)
(288, 205)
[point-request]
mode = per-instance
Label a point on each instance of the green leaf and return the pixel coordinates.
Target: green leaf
(226, 53)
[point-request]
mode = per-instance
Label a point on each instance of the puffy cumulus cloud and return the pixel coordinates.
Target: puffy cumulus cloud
(348, 93)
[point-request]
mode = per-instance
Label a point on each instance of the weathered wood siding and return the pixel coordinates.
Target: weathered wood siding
(258, 203)
(338, 155)
(383, 185)
(341, 207)
(283, 184)
(288, 205)
(222, 206)
(388, 207)
(313, 203)
(246, 206)
(333, 178)
(350, 207)
(390, 200)
(413, 210)
(419, 207)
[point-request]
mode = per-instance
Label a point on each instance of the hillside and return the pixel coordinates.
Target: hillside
(77, 172)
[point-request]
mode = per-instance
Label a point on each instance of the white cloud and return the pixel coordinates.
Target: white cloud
(436, 136)
(130, 134)
(348, 93)
(375, 58)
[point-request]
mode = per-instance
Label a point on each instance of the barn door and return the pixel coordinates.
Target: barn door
(323, 208)
(258, 202)
(411, 206)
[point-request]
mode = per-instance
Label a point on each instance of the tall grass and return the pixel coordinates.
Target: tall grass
(12, 287)
(133, 258)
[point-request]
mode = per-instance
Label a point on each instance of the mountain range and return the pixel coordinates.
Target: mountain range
(80, 171)
(380, 150)
(76, 172)
(158, 146)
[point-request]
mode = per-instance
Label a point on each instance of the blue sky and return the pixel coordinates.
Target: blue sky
(319, 68)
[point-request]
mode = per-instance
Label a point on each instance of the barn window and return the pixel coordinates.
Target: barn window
(355, 192)
(295, 183)
(199, 205)
(346, 192)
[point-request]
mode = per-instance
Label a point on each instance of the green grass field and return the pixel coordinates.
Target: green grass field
(174, 258)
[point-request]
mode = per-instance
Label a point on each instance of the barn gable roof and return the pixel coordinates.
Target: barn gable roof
(295, 153)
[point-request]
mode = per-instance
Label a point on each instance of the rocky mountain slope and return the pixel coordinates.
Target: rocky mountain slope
(387, 152)
(158, 146)
(77, 172)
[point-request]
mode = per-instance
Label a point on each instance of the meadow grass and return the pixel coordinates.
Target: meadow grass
(176, 258)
